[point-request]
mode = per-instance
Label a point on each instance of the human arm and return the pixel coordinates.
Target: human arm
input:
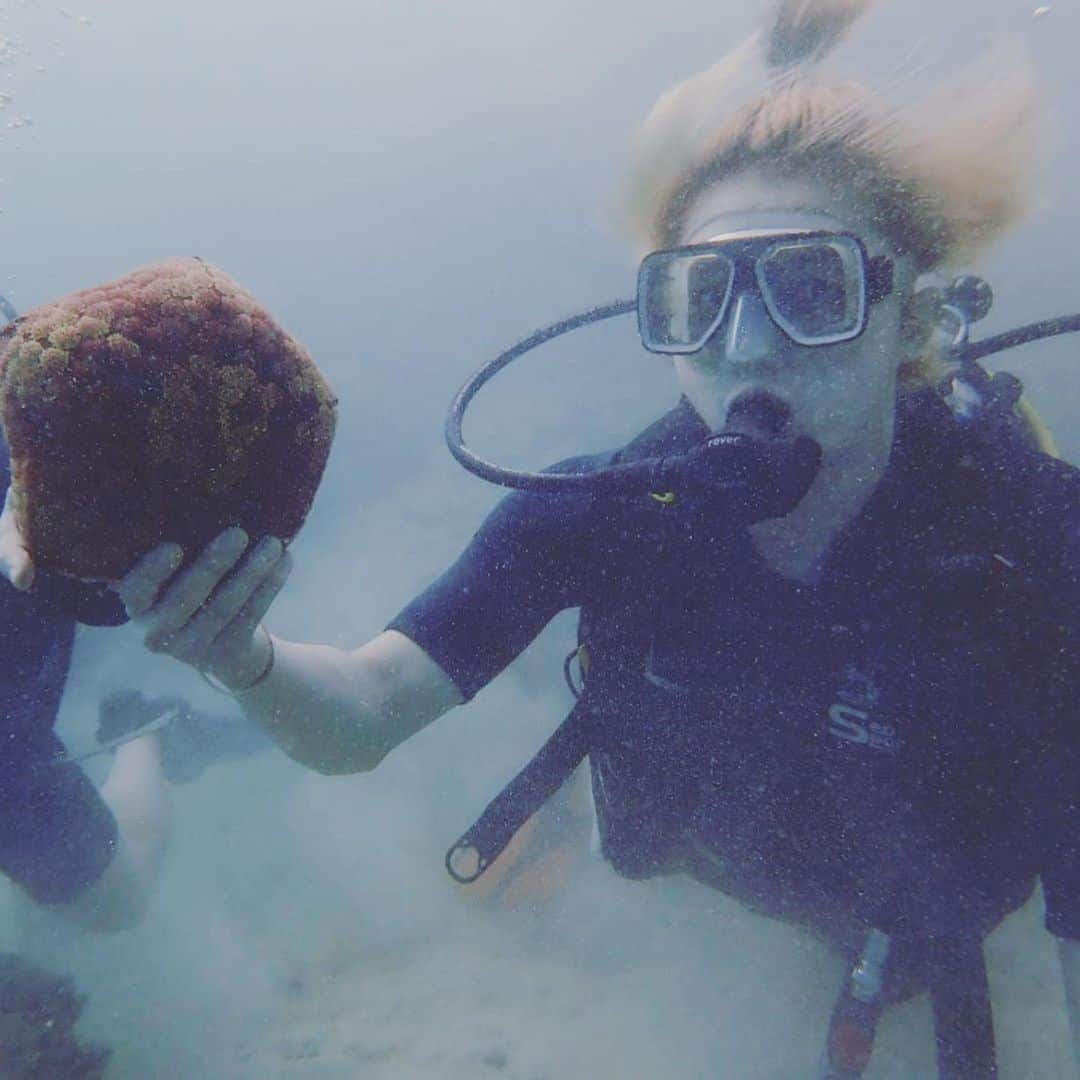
(333, 710)
(344, 710)
(340, 711)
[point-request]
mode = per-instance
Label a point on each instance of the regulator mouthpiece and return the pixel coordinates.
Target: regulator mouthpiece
(758, 414)
(745, 478)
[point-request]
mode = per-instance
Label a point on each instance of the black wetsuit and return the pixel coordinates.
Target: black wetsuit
(895, 746)
(56, 834)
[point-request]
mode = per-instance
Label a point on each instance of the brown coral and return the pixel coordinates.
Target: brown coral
(164, 405)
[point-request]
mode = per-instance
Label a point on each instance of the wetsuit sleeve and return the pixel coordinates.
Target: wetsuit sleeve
(524, 566)
(57, 835)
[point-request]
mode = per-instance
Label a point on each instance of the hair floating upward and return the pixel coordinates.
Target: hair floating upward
(805, 30)
(941, 166)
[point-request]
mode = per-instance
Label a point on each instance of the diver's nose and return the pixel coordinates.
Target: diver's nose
(750, 334)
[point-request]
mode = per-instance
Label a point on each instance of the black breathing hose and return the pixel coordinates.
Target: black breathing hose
(638, 477)
(1022, 335)
(554, 483)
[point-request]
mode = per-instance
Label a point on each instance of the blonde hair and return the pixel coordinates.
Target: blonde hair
(940, 178)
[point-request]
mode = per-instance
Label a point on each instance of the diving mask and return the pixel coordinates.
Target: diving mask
(817, 287)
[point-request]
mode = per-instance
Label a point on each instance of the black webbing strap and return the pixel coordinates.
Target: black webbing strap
(963, 1018)
(521, 798)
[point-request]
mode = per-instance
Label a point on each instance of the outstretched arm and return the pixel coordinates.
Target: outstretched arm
(343, 712)
(336, 711)
(333, 710)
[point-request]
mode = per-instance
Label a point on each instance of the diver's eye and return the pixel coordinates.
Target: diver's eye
(814, 288)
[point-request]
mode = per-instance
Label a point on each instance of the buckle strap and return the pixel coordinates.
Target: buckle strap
(963, 1019)
(551, 767)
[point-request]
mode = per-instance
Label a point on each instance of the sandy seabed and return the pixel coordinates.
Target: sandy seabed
(305, 929)
(466, 1009)
(611, 979)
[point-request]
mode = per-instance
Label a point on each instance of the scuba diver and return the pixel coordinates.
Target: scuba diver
(90, 856)
(829, 603)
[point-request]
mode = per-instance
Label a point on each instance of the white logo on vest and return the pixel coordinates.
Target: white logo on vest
(851, 717)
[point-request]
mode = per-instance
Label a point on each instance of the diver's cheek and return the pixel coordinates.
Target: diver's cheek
(709, 407)
(822, 408)
(844, 417)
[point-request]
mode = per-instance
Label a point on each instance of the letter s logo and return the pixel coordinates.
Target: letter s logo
(845, 723)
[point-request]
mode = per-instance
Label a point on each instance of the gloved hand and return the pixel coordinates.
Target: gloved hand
(209, 613)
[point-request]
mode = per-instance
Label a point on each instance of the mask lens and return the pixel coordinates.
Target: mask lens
(815, 289)
(681, 298)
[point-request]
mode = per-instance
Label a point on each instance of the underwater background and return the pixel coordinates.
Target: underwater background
(409, 187)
